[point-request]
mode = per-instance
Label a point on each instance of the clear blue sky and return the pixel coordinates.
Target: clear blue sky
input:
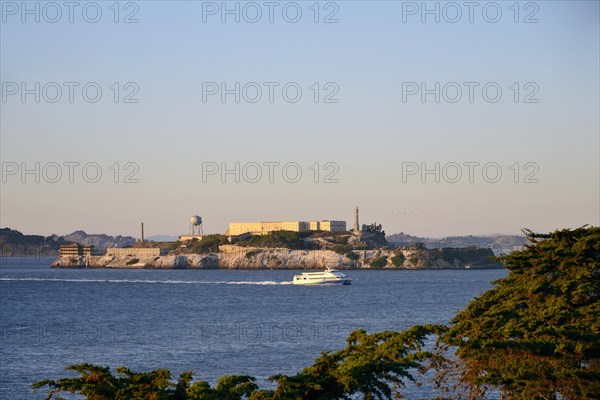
(371, 133)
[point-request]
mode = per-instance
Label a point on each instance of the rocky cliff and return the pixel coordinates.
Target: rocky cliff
(238, 257)
(369, 239)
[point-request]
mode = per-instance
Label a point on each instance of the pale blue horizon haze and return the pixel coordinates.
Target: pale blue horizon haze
(370, 133)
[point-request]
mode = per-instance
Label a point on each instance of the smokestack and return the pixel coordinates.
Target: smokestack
(356, 226)
(142, 232)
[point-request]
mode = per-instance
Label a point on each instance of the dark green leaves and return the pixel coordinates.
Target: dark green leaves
(375, 365)
(537, 333)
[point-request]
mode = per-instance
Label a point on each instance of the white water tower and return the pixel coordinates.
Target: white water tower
(196, 225)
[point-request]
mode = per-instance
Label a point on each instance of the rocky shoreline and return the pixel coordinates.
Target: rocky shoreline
(238, 257)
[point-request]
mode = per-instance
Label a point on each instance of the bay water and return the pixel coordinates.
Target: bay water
(212, 322)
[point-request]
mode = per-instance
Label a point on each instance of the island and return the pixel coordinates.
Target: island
(365, 249)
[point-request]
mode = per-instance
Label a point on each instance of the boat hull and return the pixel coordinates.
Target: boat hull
(325, 282)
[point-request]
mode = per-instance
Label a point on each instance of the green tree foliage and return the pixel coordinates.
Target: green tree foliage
(342, 248)
(379, 262)
(231, 387)
(398, 260)
(375, 365)
(98, 383)
(468, 255)
(208, 244)
(536, 334)
(282, 239)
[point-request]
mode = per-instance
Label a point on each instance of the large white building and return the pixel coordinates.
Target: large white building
(333, 226)
(263, 228)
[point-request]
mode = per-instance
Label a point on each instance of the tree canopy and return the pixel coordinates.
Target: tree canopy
(536, 334)
(98, 383)
(375, 365)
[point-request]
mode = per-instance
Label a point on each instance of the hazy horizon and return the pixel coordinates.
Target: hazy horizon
(152, 235)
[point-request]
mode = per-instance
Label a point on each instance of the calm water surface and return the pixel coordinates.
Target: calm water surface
(213, 322)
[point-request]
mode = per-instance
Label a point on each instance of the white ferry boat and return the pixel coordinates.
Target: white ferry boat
(327, 277)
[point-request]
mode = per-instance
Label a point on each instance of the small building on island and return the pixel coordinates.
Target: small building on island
(75, 250)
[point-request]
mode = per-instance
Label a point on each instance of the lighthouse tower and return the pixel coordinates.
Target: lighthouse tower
(356, 226)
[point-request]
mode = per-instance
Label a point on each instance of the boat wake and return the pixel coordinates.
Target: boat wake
(145, 281)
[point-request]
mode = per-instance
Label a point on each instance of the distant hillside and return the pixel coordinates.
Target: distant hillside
(498, 243)
(15, 244)
(100, 241)
(162, 238)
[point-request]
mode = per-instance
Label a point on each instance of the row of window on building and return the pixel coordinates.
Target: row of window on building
(263, 228)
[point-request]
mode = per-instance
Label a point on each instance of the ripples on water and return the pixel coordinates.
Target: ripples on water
(214, 322)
